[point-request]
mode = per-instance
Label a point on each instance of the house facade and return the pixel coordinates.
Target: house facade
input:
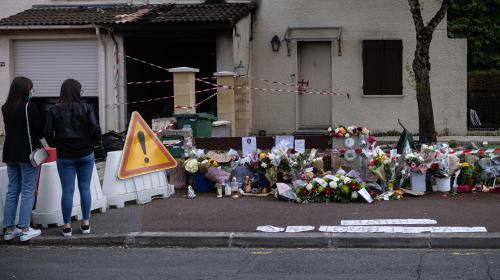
(308, 64)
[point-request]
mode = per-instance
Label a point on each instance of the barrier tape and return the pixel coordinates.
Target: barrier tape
(304, 87)
(203, 101)
(145, 62)
(473, 152)
(290, 91)
(156, 99)
(149, 82)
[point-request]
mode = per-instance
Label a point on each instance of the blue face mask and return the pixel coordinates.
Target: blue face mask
(30, 95)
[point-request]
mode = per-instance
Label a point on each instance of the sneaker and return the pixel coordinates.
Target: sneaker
(9, 235)
(31, 233)
(66, 232)
(85, 229)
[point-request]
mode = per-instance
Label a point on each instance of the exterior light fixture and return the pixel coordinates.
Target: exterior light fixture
(275, 43)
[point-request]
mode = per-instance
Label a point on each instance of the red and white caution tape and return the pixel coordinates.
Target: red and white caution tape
(204, 100)
(160, 98)
(145, 62)
(473, 152)
(149, 82)
(289, 91)
(141, 101)
(304, 88)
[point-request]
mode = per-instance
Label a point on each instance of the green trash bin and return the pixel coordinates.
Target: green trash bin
(200, 123)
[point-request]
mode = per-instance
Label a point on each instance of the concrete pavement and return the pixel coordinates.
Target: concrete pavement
(152, 263)
(211, 222)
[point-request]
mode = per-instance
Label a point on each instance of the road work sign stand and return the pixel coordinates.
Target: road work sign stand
(143, 153)
(138, 172)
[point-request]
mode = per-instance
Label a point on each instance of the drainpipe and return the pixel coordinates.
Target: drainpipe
(102, 79)
(116, 79)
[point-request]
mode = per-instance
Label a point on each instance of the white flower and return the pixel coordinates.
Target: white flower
(263, 165)
(354, 195)
(403, 172)
(347, 135)
(309, 187)
(333, 184)
(335, 179)
(347, 180)
(330, 129)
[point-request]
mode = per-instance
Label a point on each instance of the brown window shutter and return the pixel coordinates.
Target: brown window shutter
(372, 67)
(392, 74)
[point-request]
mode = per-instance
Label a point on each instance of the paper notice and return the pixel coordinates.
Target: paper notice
(248, 145)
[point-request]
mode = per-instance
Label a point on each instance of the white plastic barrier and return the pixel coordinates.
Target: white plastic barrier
(48, 206)
(4, 185)
(140, 188)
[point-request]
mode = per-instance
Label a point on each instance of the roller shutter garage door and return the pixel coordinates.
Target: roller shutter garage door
(49, 62)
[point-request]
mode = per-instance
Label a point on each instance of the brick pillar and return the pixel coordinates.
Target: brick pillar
(242, 106)
(225, 99)
(184, 88)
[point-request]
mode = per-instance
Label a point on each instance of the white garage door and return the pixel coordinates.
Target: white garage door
(49, 62)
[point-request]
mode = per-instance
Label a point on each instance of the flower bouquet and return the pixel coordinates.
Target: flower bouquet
(347, 132)
(466, 178)
(338, 187)
(418, 170)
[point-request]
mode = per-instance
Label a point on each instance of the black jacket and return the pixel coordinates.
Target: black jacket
(17, 146)
(73, 132)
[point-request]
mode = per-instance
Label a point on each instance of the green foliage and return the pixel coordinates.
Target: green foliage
(479, 21)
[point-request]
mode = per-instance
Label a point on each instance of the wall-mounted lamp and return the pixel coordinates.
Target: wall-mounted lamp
(275, 43)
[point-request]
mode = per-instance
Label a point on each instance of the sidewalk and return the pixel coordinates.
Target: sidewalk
(208, 221)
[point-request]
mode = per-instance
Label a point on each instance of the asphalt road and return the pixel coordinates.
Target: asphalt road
(119, 263)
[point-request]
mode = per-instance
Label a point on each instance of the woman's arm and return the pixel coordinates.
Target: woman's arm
(48, 132)
(95, 129)
(36, 126)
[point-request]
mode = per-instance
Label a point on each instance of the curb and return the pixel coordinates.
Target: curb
(271, 240)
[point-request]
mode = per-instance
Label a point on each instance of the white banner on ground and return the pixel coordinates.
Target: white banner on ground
(396, 229)
(270, 228)
(299, 228)
(377, 222)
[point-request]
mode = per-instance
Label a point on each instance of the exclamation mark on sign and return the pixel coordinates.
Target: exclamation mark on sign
(142, 141)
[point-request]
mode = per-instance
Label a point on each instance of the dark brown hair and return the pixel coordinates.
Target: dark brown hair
(18, 94)
(70, 94)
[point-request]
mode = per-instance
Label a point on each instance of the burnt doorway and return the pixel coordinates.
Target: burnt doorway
(169, 53)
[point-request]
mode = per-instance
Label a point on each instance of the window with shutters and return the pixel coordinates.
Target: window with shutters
(382, 67)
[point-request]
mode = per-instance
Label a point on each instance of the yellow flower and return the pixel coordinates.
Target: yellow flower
(262, 155)
(464, 165)
(365, 131)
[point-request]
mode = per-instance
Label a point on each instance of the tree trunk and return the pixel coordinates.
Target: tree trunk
(422, 67)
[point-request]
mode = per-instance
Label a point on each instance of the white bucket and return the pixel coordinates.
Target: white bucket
(443, 184)
(418, 183)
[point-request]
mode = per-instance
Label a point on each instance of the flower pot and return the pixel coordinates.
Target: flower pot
(443, 184)
(418, 183)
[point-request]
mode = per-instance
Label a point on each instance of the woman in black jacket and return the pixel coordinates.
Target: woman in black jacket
(16, 150)
(73, 129)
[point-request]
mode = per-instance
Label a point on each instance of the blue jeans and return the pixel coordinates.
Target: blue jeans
(68, 169)
(22, 178)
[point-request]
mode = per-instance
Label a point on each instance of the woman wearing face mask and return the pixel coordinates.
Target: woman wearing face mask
(16, 151)
(73, 129)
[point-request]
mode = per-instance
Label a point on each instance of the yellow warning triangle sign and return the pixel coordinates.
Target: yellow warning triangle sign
(143, 152)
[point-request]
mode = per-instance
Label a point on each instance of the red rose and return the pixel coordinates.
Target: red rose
(435, 166)
(315, 190)
(304, 192)
(354, 187)
(328, 192)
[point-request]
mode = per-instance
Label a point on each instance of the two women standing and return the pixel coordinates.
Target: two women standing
(72, 128)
